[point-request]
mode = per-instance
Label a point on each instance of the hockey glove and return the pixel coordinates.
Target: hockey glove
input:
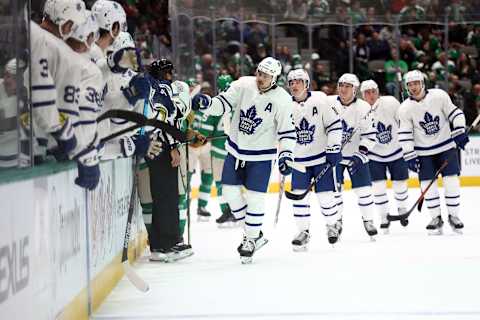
(66, 141)
(334, 156)
(195, 139)
(461, 140)
(88, 170)
(201, 102)
(124, 59)
(283, 166)
(359, 159)
(138, 88)
(137, 144)
(414, 164)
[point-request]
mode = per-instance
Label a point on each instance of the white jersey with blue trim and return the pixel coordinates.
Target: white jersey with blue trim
(260, 122)
(385, 117)
(317, 126)
(425, 124)
(357, 126)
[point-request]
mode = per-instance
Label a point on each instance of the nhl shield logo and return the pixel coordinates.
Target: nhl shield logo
(431, 125)
(249, 121)
(384, 133)
(305, 132)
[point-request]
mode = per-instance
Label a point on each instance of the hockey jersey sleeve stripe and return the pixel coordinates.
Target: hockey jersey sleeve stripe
(334, 129)
(68, 111)
(434, 146)
(225, 99)
(386, 156)
(285, 132)
(250, 152)
(367, 134)
(83, 123)
(88, 109)
(221, 101)
(458, 114)
(43, 104)
(292, 138)
(310, 158)
(43, 87)
(453, 111)
(332, 124)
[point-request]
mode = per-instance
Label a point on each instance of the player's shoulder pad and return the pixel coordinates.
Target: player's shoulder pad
(245, 82)
(318, 94)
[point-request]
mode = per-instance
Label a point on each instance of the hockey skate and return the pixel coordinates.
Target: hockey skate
(435, 226)
(455, 223)
(182, 250)
(249, 246)
(339, 226)
(370, 228)
(385, 225)
(332, 233)
(403, 222)
(300, 242)
(161, 255)
(203, 214)
(227, 220)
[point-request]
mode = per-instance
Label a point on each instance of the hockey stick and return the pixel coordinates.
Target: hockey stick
(300, 196)
(134, 278)
(419, 203)
(280, 196)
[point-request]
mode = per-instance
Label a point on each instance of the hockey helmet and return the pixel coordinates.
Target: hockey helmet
(352, 79)
(62, 11)
(368, 85)
(414, 75)
(271, 67)
(159, 68)
(83, 31)
(299, 74)
(108, 13)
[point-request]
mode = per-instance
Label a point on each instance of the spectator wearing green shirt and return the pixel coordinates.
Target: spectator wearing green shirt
(393, 67)
(442, 67)
(412, 12)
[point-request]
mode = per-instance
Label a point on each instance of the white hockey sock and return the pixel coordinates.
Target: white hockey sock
(365, 201)
(432, 198)
(328, 205)
(451, 184)
(301, 212)
(380, 197)
(255, 213)
(400, 189)
(339, 200)
(236, 200)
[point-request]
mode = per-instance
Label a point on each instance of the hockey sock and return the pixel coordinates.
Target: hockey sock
(400, 189)
(255, 213)
(205, 188)
(339, 199)
(451, 184)
(236, 201)
(220, 199)
(380, 197)
(365, 202)
(301, 212)
(328, 205)
(432, 198)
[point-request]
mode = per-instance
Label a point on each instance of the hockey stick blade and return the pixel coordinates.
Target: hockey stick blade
(134, 278)
(300, 196)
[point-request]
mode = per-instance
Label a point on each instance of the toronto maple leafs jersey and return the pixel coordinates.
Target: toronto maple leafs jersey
(425, 124)
(385, 117)
(317, 126)
(261, 120)
(357, 126)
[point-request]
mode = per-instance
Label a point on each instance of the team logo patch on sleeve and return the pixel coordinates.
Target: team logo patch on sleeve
(431, 125)
(249, 121)
(384, 133)
(305, 132)
(347, 132)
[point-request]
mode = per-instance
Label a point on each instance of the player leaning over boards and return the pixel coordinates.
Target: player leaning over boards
(262, 119)
(357, 139)
(319, 138)
(386, 154)
(431, 127)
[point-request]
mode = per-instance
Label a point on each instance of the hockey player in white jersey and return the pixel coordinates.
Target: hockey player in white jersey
(262, 120)
(431, 127)
(358, 137)
(386, 154)
(319, 137)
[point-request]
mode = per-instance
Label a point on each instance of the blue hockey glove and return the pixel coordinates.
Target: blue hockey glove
(66, 141)
(88, 170)
(414, 164)
(200, 102)
(138, 88)
(283, 166)
(461, 140)
(137, 144)
(334, 156)
(359, 159)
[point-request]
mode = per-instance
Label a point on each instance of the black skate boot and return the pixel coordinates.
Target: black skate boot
(203, 214)
(182, 250)
(455, 223)
(300, 242)
(161, 255)
(249, 246)
(370, 228)
(332, 233)
(339, 226)
(403, 222)
(385, 225)
(227, 219)
(435, 226)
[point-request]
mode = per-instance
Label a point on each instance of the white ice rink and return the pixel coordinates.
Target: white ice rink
(404, 275)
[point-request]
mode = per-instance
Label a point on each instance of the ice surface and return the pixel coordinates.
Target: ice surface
(404, 275)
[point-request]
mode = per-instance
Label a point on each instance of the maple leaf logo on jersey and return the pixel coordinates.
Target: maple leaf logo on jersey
(249, 121)
(384, 134)
(346, 132)
(431, 125)
(305, 132)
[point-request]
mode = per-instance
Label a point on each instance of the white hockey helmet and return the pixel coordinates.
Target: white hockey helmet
(299, 74)
(352, 79)
(108, 13)
(368, 85)
(271, 67)
(414, 75)
(62, 11)
(124, 40)
(83, 32)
